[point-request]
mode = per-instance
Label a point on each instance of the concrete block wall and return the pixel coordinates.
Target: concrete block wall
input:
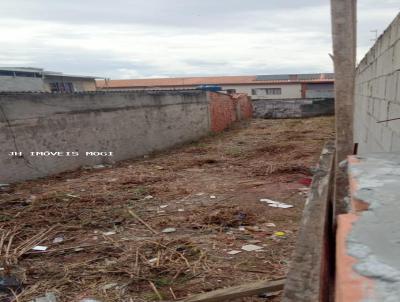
(128, 124)
(296, 108)
(377, 94)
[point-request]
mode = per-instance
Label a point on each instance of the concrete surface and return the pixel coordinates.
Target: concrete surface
(293, 108)
(374, 237)
(377, 95)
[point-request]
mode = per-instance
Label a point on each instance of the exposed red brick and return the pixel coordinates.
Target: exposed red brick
(227, 109)
(350, 286)
(357, 205)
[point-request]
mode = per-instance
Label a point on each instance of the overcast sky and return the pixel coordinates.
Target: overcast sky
(162, 38)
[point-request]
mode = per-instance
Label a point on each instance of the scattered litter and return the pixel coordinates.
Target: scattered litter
(270, 224)
(98, 166)
(109, 286)
(49, 297)
(280, 234)
(200, 194)
(159, 167)
(164, 206)
(242, 228)
(254, 241)
(306, 181)
(169, 230)
(4, 187)
(276, 204)
(73, 196)
(109, 233)
(181, 210)
(253, 228)
(154, 260)
(89, 300)
(149, 197)
(58, 239)
(234, 252)
(251, 247)
(40, 248)
(213, 197)
(9, 284)
(1, 269)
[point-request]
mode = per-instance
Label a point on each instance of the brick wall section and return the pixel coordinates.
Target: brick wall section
(227, 109)
(377, 94)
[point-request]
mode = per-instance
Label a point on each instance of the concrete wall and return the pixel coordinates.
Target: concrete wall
(293, 108)
(289, 91)
(127, 124)
(377, 94)
(21, 84)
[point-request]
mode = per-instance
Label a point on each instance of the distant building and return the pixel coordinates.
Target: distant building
(290, 86)
(21, 79)
(59, 82)
(18, 79)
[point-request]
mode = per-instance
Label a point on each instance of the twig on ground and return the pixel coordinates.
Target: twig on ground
(142, 221)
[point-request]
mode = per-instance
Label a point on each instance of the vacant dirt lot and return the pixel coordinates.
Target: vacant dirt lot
(164, 225)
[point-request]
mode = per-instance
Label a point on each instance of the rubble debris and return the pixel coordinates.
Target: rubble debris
(251, 247)
(280, 234)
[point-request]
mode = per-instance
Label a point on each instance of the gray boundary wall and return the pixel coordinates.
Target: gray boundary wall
(129, 124)
(377, 95)
(295, 108)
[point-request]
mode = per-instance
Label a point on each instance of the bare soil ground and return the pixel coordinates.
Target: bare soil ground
(103, 227)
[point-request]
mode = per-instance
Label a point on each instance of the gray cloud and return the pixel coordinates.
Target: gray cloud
(136, 38)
